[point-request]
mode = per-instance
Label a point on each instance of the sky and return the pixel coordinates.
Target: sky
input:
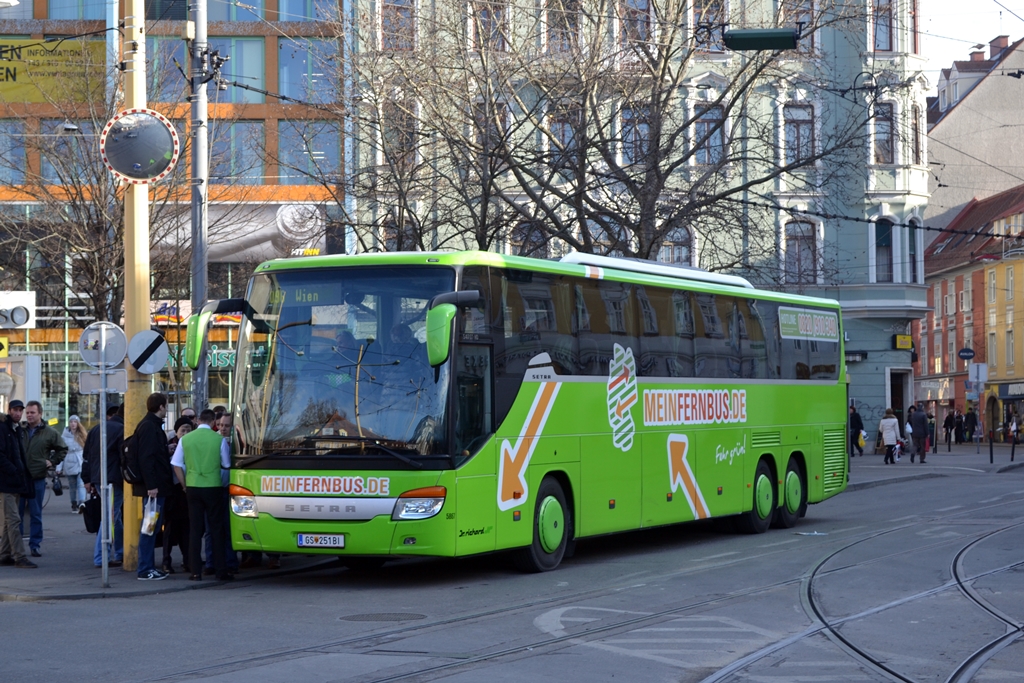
(951, 28)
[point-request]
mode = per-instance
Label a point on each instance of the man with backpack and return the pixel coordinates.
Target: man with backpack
(150, 444)
(92, 478)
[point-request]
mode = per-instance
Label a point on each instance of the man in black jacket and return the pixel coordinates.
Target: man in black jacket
(856, 427)
(92, 478)
(15, 483)
(157, 476)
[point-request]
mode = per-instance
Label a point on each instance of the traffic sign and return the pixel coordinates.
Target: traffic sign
(102, 345)
(91, 381)
(965, 354)
(148, 352)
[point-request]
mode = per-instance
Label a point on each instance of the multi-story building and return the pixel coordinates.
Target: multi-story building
(974, 272)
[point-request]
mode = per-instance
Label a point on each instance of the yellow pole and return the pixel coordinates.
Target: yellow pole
(136, 265)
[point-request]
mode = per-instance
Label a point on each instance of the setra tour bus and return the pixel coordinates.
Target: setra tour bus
(447, 404)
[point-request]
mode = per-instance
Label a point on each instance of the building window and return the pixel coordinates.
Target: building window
(912, 253)
(942, 99)
(915, 135)
(923, 357)
(307, 69)
(246, 67)
(1009, 347)
(799, 130)
(529, 238)
(67, 159)
(937, 305)
(490, 121)
(166, 10)
(915, 28)
(676, 248)
(398, 136)
(307, 10)
(951, 352)
(956, 91)
(797, 12)
(235, 153)
(76, 9)
(636, 131)
(1009, 283)
(883, 251)
(801, 253)
(397, 25)
(991, 350)
(12, 152)
(938, 354)
(251, 10)
(635, 20)
(709, 136)
(991, 286)
(165, 82)
(882, 24)
(885, 147)
(708, 19)
(565, 122)
(563, 25)
(308, 152)
(490, 26)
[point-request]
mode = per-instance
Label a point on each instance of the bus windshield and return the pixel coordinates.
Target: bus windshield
(333, 367)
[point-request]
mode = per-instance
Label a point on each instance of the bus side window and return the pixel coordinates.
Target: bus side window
(612, 318)
(666, 344)
(753, 351)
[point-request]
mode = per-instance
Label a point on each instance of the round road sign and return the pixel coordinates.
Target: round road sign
(139, 146)
(148, 352)
(103, 345)
(965, 354)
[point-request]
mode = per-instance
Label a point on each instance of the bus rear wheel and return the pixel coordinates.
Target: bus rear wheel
(552, 527)
(794, 497)
(759, 518)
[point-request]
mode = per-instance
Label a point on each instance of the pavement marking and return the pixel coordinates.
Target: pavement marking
(770, 545)
(715, 557)
(990, 500)
(955, 507)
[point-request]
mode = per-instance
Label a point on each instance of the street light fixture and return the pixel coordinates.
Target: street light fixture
(761, 39)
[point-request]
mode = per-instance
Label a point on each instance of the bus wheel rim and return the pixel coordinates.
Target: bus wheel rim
(551, 524)
(794, 492)
(763, 491)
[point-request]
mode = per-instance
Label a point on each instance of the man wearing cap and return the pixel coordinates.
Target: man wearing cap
(43, 449)
(15, 482)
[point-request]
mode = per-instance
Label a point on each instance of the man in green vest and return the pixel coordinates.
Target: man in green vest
(198, 461)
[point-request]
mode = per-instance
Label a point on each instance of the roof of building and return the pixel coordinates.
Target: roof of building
(974, 65)
(968, 238)
(985, 67)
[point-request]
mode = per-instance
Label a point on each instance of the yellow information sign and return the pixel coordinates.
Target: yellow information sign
(4, 343)
(43, 71)
(902, 342)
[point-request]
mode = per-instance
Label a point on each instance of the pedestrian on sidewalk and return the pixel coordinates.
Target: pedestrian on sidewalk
(856, 427)
(92, 475)
(176, 513)
(970, 424)
(157, 477)
(889, 428)
(15, 482)
(919, 421)
(958, 427)
(74, 438)
(44, 449)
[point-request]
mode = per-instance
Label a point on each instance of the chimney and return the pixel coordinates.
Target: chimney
(978, 56)
(997, 46)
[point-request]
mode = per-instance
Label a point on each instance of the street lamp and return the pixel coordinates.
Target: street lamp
(761, 39)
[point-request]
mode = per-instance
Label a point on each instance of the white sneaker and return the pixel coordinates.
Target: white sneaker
(153, 575)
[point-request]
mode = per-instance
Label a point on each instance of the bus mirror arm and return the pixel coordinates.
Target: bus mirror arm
(469, 297)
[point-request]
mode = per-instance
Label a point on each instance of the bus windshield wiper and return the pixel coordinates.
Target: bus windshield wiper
(386, 449)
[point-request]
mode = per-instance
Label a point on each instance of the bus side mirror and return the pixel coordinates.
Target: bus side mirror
(439, 333)
(195, 335)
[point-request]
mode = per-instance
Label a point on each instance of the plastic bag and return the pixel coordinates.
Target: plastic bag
(860, 439)
(150, 516)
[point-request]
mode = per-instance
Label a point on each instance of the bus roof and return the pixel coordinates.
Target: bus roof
(623, 268)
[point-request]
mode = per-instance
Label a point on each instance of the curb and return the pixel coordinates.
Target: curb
(1010, 467)
(191, 585)
(857, 486)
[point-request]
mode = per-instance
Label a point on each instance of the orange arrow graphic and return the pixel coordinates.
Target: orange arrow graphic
(514, 460)
(681, 475)
(623, 376)
(625, 404)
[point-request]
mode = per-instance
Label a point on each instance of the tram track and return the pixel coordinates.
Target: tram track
(595, 632)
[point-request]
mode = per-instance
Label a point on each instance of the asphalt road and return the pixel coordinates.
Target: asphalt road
(916, 579)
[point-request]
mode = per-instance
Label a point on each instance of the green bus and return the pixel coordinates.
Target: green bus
(449, 404)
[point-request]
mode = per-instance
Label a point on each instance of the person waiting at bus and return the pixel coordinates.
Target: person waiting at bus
(198, 461)
(889, 428)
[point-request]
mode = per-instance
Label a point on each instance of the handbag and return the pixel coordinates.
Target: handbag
(93, 513)
(58, 488)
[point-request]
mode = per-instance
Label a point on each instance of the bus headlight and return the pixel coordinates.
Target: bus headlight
(243, 502)
(419, 503)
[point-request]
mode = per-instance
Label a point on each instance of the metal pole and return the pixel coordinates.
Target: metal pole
(200, 62)
(136, 265)
(104, 492)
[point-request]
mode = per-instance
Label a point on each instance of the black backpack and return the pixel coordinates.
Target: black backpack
(130, 470)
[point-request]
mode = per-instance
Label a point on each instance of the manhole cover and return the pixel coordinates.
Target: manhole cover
(384, 616)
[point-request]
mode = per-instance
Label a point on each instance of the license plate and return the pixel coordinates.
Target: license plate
(321, 541)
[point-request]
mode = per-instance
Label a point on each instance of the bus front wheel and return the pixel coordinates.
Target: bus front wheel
(759, 518)
(552, 525)
(794, 502)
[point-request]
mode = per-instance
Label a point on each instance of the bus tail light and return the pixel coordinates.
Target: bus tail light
(243, 502)
(419, 503)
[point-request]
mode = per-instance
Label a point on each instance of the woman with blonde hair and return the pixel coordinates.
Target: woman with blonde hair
(74, 436)
(889, 428)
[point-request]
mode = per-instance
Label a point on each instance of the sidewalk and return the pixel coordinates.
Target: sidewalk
(66, 570)
(869, 470)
